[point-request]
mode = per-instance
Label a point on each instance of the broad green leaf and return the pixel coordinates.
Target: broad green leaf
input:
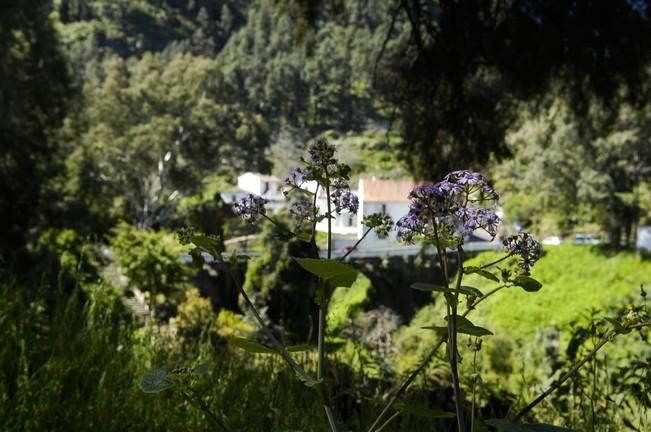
(467, 290)
(210, 244)
(339, 274)
(464, 326)
(201, 369)
(527, 283)
(429, 287)
(250, 346)
(618, 327)
(462, 321)
(422, 411)
(156, 380)
(481, 272)
(469, 330)
(508, 425)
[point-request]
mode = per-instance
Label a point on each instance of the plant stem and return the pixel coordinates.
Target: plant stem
(556, 384)
(203, 407)
(452, 343)
(355, 245)
(407, 382)
(275, 342)
(386, 423)
(423, 364)
(497, 261)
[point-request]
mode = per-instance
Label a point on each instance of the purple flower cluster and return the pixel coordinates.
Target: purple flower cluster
(294, 180)
(250, 207)
(524, 245)
(447, 211)
(343, 198)
(301, 211)
(474, 184)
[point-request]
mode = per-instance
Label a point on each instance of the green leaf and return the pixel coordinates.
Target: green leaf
(618, 327)
(210, 244)
(429, 287)
(422, 411)
(481, 272)
(464, 326)
(202, 369)
(330, 270)
(463, 289)
(507, 425)
(156, 380)
(250, 346)
(527, 283)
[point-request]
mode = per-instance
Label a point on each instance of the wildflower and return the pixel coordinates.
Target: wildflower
(301, 210)
(250, 207)
(446, 211)
(524, 245)
(475, 218)
(294, 180)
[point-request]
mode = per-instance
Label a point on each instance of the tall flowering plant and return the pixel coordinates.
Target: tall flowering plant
(442, 215)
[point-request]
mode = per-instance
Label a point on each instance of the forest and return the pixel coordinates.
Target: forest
(143, 287)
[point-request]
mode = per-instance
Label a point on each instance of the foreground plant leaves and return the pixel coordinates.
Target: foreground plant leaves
(464, 326)
(527, 283)
(481, 272)
(329, 270)
(156, 380)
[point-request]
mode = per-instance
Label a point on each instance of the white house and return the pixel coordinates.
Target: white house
(382, 196)
(375, 196)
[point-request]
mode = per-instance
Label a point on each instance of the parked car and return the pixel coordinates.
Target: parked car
(552, 240)
(583, 238)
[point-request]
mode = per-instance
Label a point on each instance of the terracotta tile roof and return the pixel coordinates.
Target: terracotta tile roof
(387, 190)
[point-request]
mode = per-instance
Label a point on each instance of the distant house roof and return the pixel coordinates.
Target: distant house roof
(387, 190)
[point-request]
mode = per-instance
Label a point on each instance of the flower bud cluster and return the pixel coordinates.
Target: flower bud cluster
(524, 245)
(250, 207)
(381, 222)
(447, 211)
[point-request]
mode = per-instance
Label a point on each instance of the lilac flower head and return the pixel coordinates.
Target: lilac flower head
(408, 227)
(475, 218)
(472, 183)
(446, 211)
(294, 180)
(301, 210)
(524, 245)
(343, 198)
(250, 207)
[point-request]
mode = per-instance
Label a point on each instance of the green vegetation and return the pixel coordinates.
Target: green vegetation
(124, 120)
(591, 279)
